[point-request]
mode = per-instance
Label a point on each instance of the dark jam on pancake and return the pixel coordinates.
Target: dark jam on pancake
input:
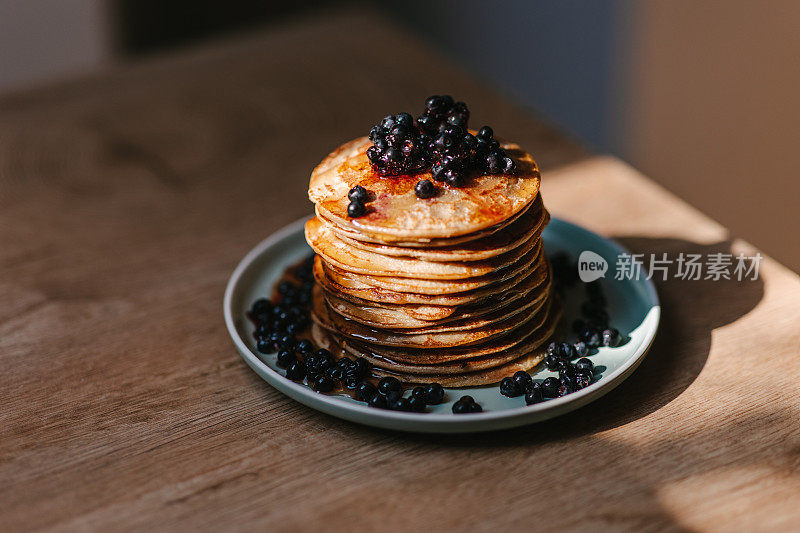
(281, 325)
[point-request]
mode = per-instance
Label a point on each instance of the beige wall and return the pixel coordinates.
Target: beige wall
(713, 112)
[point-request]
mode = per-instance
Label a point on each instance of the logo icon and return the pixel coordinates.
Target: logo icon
(591, 266)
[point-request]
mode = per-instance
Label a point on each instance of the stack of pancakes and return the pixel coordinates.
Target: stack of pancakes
(454, 289)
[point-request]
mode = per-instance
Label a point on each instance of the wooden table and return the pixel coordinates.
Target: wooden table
(127, 199)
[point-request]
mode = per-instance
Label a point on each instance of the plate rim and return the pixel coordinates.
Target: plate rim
(428, 422)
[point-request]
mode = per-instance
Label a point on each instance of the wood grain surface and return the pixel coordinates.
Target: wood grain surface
(127, 199)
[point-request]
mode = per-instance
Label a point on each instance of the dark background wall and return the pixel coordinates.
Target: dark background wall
(701, 96)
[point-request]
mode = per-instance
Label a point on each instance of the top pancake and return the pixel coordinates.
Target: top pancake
(395, 214)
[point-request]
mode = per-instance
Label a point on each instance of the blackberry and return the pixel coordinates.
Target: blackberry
(441, 111)
(397, 146)
(425, 189)
(490, 158)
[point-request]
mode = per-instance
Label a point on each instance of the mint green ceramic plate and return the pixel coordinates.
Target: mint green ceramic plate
(632, 304)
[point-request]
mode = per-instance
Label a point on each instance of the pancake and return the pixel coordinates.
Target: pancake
(403, 317)
(352, 288)
(469, 373)
(454, 289)
(345, 257)
(438, 286)
(396, 214)
(450, 360)
(473, 331)
(419, 243)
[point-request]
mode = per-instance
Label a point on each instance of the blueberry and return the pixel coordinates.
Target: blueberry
(552, 361)
(534, 395)
(551, 348)
(262, 330)
(391, 395)
(418, 392)
(550, 387)
(285, 287)
(567, 371)
(485, 133)
(466, 404)
(350, 383)
(508, 387)
(566, 386)
(361, 367)
(378, 401)
(584, 364)
(424, 189)
(324, 384)
(582, 379)
(296, 370)
(322, 353)
(274, 338)
(611, 337)
(285, 358)
(523, 380)
(356, 209)
(287, 342)
(358, 194)
(416, 404)
(434, 394)
(388, 384)
(591, 337)
(262, 305)
(581, 350)
(565, 351)
(264, 345)
(365, 391)
(401, 404)
(305, 347)
(336, 373)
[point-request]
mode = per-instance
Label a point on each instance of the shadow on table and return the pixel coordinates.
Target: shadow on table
(691, 310)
